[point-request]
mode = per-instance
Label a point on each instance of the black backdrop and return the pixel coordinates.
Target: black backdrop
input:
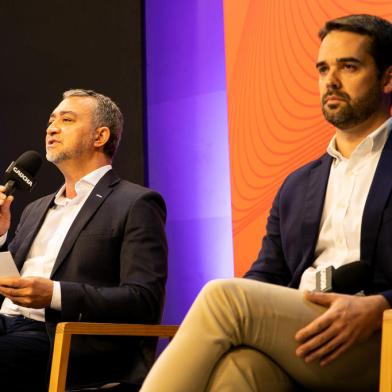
(48, 46)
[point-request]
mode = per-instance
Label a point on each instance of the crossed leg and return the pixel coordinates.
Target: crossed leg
(252, 371)
(231, 313)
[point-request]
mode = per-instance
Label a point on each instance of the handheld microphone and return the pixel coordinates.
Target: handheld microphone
(350, 278)
(20, 173)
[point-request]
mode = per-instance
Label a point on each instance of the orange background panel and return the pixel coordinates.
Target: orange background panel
(275, 120)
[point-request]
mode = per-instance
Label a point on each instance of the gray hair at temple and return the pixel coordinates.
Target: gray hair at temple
(378, 29)
(107, 114)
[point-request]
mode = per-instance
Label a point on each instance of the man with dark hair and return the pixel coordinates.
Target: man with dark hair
(93, 251)
(273, 331)
(377, 29)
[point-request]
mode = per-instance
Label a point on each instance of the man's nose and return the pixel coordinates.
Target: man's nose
(52, 129)
(332, 80)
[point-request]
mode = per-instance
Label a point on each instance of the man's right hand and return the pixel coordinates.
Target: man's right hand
(5, 213)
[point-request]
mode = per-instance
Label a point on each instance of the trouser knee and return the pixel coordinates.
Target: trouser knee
(218, 287)
(220, 294)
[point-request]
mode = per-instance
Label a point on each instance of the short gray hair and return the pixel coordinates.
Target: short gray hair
(107, 114)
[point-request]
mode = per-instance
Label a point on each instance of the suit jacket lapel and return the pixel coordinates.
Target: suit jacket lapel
(313, 208)
(36, 218)
(100, 192)
(375, 203)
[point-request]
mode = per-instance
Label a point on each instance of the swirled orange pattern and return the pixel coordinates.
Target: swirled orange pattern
(275, 121)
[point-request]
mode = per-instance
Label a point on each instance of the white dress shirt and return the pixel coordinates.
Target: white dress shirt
(48, 241)
(348, 186)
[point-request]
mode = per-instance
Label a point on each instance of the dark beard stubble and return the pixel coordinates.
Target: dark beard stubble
(352, 112)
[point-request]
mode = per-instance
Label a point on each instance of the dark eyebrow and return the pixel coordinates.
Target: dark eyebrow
(348, 60)
(340, 60)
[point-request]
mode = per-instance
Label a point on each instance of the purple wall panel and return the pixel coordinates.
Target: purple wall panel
(187, 138)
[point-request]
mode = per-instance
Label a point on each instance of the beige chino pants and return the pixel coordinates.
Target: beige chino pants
(238, 336)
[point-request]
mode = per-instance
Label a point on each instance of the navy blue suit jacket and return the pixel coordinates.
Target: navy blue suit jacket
(294, 223)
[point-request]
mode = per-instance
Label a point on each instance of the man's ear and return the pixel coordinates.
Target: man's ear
(387, 80)
(102, 135)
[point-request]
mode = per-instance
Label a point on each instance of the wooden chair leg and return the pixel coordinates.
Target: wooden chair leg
(58, 375)
(386, 353)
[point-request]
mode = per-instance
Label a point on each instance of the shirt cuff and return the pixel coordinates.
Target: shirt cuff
(3, 238)
(56, 296)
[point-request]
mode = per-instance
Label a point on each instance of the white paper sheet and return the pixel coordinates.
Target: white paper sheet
(7, 265)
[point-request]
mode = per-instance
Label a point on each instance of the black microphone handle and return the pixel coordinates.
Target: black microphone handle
(351, 278)
(9, 187)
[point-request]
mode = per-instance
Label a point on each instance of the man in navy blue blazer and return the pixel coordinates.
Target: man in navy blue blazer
(94, 251)
(273, 331)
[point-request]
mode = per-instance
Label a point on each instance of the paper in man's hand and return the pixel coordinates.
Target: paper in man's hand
(7, 265)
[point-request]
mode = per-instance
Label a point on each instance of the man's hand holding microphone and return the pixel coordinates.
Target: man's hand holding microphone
(5, 213)
(32, 292)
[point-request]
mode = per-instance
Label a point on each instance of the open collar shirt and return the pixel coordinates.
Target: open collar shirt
(347, 190)
(48, 241)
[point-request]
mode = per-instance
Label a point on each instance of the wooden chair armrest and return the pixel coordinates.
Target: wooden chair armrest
(386, 353)
(64, 332)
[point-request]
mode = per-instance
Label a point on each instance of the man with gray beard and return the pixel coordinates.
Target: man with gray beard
(93, 251)
(273, 331)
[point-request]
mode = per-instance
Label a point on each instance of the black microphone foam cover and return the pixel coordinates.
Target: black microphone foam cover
(351, 278)
(30, 161)
(20, 174)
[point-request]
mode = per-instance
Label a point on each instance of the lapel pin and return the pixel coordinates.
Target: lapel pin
(99, 195)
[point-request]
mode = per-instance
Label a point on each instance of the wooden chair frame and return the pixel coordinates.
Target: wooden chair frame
(64, 332)
(386, 353)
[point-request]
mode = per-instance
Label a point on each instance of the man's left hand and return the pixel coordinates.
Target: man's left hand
(349, 319)
(30, 292)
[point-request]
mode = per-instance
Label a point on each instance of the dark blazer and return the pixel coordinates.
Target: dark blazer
(294, 222)
(112, 264)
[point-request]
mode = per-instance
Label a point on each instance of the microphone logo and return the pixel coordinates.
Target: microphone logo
(20, 173)
(23, 176)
